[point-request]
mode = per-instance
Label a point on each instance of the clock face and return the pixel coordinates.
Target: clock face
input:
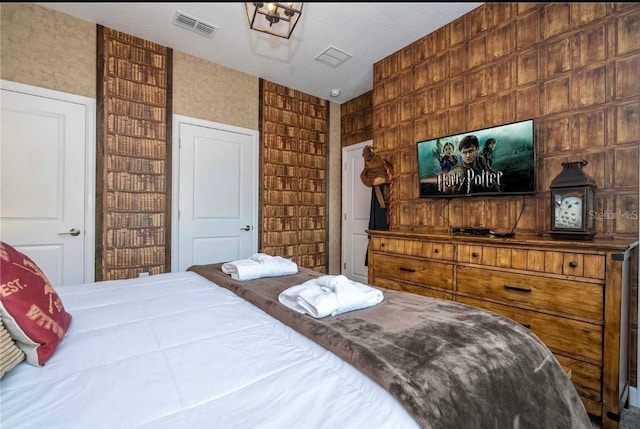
(568, 212)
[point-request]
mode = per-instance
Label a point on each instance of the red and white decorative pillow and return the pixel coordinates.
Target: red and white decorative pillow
(31, 308)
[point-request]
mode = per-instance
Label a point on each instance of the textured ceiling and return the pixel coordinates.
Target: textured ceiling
(368, 32)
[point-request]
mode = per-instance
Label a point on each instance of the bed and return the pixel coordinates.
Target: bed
(198, 349)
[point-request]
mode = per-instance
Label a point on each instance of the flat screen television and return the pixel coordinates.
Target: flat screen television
(490, 161)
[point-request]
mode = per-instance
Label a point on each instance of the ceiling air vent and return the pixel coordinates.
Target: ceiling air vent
(194, 24)
(333, 56)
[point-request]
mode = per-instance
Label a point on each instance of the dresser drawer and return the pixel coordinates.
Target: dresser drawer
(424, 272)
(565, 335)
(586, 377)
(571, 264)
(408, 287)
(425, 249)
(568, 297)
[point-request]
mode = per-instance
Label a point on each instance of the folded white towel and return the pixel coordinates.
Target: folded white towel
(259, 265)
(330, 295)
(261, 257)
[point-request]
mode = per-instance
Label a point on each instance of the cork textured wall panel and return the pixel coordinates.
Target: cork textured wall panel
(213, 92)
(48, 49)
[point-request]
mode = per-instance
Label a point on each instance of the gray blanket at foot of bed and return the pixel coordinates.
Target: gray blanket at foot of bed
(450, 365)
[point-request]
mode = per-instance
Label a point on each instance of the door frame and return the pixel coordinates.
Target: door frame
(354, 147)
(90, 161)
(175, 176)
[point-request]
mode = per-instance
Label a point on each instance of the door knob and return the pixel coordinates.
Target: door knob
(246, 228)
(73, 231)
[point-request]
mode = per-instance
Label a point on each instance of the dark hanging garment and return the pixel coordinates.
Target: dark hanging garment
(377, 174)
(378, 215)
(378, 218)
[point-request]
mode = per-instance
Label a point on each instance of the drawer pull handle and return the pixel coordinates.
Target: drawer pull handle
(526, 325)
(474, 254)
(436, 250)
(411, 270)
(381, 244)
(573, 264)
(517, 289)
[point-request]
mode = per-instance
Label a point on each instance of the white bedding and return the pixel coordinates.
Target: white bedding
(176, 351)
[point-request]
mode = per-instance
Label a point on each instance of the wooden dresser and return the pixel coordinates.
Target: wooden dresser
(574, 295)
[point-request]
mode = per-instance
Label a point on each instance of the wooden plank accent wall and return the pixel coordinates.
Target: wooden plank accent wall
(294, 130)
(356, 120)
(572, 67)
(634, 281)
(133, 180)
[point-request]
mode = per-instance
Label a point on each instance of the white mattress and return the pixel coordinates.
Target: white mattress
(176, 351)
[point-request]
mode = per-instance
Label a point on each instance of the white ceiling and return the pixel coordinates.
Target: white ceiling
(367, 31)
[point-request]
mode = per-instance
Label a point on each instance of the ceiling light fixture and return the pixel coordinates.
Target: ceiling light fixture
(279, 18)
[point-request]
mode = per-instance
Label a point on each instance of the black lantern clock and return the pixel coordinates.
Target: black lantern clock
(572, 202)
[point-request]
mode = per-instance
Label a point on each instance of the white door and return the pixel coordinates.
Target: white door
(43, 158)
(218, 191)
(356, 205)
